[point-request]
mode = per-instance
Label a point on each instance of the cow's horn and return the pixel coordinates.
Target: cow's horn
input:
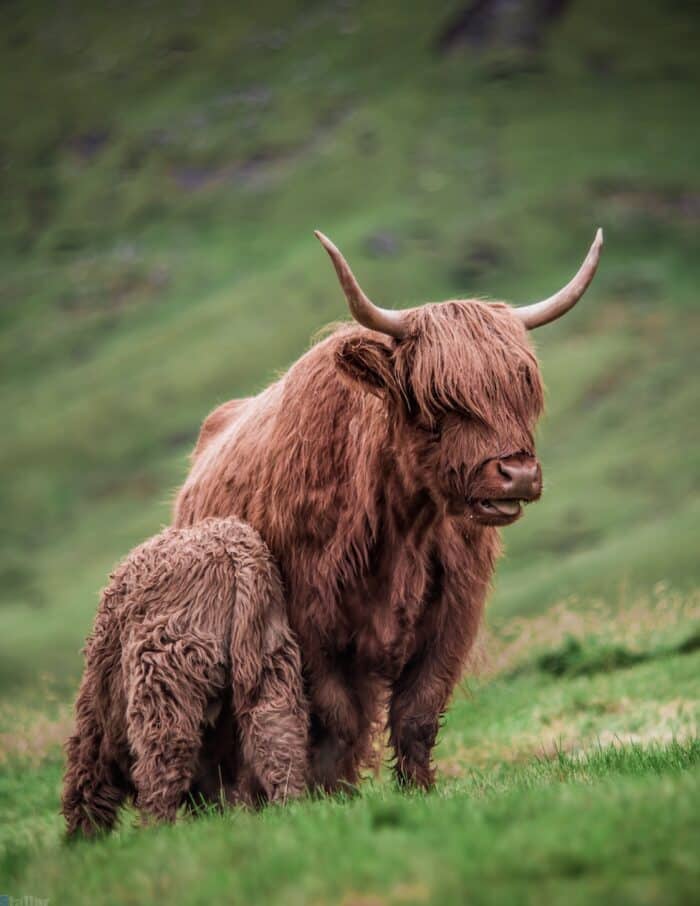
(557, 305)
(363, 310)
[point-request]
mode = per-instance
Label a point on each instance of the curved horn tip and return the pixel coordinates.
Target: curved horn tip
(324, 240)
(541, 313)
(593, 255)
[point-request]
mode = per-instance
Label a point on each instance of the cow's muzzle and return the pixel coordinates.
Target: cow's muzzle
(502, 487)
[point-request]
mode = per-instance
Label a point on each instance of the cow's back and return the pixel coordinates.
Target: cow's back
(227, 461)
(216, 422)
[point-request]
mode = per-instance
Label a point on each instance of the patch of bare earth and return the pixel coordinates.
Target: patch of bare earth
(30, 736)
(401, 893)
(664, 617)
(621, 723)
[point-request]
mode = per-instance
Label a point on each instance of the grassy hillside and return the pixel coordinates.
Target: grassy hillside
(162, 168)
(162, 174)
(568, 772)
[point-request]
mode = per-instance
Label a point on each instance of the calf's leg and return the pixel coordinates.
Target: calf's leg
(271, 712)
(94, 787)
(173, 671)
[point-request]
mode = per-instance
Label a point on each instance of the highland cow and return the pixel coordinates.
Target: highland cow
(379, 470)
(192, 688)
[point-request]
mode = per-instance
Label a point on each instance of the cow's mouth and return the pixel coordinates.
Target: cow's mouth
(496, 511)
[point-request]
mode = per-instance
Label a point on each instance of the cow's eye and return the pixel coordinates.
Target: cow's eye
(432, 430)
(472, 419)
(466, 415)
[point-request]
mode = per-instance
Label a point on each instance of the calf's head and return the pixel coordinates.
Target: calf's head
(462, 389)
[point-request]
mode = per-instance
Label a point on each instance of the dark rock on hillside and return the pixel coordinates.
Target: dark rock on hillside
(482, 258)
(485, 23)
(382, 244)
(87, 145)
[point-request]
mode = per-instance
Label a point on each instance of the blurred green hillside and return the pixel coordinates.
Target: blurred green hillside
(163, 167)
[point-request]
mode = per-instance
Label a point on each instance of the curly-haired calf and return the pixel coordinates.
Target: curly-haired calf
(192, 687)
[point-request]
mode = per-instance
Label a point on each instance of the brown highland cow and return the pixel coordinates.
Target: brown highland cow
(192, 687)
(379, 469)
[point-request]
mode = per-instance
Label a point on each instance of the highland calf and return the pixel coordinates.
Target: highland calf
(192, 688)
(379, 469)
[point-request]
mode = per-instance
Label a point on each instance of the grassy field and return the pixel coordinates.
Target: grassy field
(162, 168)
(569, 771)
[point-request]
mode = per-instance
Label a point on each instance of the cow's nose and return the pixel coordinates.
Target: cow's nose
(520, 476)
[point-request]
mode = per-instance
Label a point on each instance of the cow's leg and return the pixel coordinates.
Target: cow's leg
(173, 672)
(418, 701)
(344, 714)
(421, 692)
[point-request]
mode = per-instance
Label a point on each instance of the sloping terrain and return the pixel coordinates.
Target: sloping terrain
(162, 169)
(569, 771)
(162, 176)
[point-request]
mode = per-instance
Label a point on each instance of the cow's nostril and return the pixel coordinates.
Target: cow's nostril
(504, 472)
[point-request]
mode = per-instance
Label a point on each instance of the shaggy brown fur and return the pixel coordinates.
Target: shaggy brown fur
(192, 686)
(361, 469)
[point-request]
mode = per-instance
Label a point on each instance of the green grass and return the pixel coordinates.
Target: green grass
(161, 171)
(458, 843)
(574, 786)
(134, 301)
(570, 789)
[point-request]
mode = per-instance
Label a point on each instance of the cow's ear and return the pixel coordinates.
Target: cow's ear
(369, 363)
